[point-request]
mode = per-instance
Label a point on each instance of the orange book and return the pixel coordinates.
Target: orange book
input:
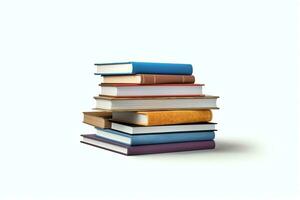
(154, 118)
(97, 118)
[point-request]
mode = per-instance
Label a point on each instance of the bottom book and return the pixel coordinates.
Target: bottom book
(103, 143)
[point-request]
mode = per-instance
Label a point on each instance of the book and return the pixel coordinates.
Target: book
(130, 90)
(155, 103)
(135, 129)
(158, 138)
(146, 149)
(143, 68)
(148, 79)
(97, 118)
(154, 118)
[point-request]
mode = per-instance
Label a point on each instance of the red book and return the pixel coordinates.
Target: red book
(159, 90)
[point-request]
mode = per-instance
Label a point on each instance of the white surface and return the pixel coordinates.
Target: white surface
(242, 50)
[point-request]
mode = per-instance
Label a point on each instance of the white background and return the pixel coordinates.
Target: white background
(244, 51)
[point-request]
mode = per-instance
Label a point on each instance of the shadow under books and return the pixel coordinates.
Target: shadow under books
(233, 147)
(222, 147)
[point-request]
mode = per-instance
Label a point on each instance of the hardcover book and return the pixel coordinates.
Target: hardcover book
(154, 118)
(130, 90)
(148, 79)
(97, 118)
(143, 68)
(158, 138)
(135, 129)
(146, 149)
(155, 103)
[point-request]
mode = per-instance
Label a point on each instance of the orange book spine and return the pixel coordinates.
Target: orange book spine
(177, 117)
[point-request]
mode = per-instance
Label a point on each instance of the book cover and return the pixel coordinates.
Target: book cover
(145, 68)
(157, 138)
(146, 149)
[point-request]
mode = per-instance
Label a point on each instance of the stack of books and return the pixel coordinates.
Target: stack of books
(146, 108)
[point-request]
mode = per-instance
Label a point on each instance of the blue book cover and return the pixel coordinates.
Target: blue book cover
(143, 68)
(157, 138)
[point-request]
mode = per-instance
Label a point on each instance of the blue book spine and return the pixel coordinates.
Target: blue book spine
(160, 138)
(161, 68)
(173, 137)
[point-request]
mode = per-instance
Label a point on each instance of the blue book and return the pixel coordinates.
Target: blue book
(158, 138)
(143, 68)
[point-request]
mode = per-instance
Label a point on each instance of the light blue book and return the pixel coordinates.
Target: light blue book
(143, 68)
(158, 138)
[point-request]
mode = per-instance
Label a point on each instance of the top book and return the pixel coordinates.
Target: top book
(143, 68)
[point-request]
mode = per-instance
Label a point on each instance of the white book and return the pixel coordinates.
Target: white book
(156, 103)
(133, 129)
(130, 90)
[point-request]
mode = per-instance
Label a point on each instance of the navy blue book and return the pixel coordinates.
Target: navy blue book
(158, 138)
(143, 68)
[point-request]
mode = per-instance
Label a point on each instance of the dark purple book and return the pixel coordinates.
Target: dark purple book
(110, 145)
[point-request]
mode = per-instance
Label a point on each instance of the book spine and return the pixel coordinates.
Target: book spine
(165, 79)
(161, 68)
(178, 117)
(171, 147)
(172, 137)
